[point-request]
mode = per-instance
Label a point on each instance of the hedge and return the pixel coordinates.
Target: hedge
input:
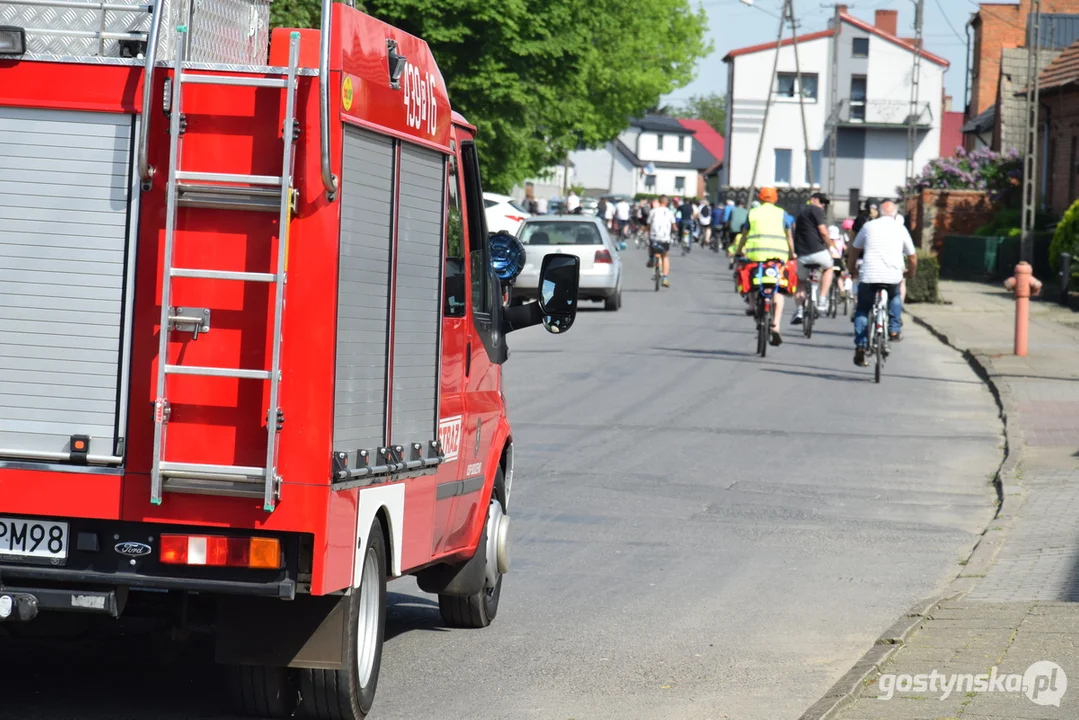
(923, 287)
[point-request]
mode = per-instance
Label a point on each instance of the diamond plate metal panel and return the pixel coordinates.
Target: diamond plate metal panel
(90, 20)
(220, 31)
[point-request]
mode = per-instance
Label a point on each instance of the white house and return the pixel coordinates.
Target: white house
(655, 155)
(875, 68)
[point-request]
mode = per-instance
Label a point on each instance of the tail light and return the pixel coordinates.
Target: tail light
(220, 551)
(516, 218)
(603, 256)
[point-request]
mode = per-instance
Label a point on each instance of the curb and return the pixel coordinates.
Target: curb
(1009, 498)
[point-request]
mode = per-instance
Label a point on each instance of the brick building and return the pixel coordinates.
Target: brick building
(997, 27)
(1060, 131)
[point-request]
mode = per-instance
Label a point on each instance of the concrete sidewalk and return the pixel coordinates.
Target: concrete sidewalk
(1015, 601)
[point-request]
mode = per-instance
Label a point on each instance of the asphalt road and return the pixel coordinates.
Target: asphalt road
(699, 533)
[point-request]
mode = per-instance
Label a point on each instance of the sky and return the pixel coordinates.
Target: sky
(733, 25)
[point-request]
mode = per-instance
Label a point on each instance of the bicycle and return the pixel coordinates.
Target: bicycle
(657, 265)
(686, 241)
(809, 305)
(764, 307)
(879, 344)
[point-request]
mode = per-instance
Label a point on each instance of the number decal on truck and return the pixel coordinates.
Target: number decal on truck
(449, 437)
(421, 108)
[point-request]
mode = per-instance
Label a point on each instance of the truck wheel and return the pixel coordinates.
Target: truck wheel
(348, 693)
(479, 610)
(263, 692)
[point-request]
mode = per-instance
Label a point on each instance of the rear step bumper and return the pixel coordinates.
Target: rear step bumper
(23, 604)
(284, 589)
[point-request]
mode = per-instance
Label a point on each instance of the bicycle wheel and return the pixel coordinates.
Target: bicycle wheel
(762, 326)
(878, 366)
(833, 300)
(809, 310)
(658, 271)
(846, 304)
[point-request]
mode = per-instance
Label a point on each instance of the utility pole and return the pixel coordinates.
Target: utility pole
(787, 12)
(789, 7)
(833, 114)
(768, 102)
(1030, 149)
(915, 82)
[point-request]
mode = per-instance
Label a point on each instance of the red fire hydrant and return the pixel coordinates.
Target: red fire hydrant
(1024, 284)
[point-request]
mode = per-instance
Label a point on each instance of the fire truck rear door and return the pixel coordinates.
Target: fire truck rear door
(65, 214)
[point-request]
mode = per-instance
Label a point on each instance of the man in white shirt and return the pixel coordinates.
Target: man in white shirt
(660, 231)
(573, 203)
(704, 217)
(608, 215)
(886, 250)
(621, 214)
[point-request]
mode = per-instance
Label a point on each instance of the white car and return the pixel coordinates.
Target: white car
(580, 235)
(503, 213)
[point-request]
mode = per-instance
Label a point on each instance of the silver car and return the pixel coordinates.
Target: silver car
(581, 235)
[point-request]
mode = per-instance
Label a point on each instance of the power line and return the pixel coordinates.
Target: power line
(949, 22)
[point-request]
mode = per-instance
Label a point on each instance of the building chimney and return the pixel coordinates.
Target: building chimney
(947, 103)
(887, 21)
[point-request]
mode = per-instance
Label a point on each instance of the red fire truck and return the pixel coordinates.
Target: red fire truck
(251, 336)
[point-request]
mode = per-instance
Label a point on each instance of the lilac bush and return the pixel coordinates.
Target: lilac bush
(999, 174)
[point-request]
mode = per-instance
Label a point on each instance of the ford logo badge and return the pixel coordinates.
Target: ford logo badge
(133, 549)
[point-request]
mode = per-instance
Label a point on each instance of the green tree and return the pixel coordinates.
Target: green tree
(710, 108)
(544, 77)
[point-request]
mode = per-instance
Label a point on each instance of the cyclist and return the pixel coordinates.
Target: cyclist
(736, 220)
(661, 224)
(622, 211)
(704, 217)
(813, 245)
(882, 245)
(765, 238)
(686, 215)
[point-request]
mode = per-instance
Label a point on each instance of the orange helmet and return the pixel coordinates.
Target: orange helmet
(769, 195)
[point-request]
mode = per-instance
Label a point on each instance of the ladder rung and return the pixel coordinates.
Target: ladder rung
(218, 372)
(221, 487)
(233, 80)
(226, 197)
(269, 180)
(232, 471)
(223, 275)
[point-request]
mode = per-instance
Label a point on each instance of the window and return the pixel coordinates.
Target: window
(787, 85)
(680, 183)
(857, 97)
(649, 181)
(681, 143)
(860, 47)
(659, 142)
(783, 166)
(814, 159)
(561, 232)
(477, 231)
(455, 247)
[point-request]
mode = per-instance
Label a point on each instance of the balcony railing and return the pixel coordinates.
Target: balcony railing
(883, 112)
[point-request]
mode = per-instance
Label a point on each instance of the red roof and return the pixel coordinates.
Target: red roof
(828, 33)
(951, 133)
(771, 45)
(706, 135)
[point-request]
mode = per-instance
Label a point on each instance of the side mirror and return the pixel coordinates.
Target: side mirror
(507, 256)
(559, 278)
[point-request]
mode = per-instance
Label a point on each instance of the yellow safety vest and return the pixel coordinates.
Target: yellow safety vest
(767, 238)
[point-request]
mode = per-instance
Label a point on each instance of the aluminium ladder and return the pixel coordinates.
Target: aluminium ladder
(230, 191)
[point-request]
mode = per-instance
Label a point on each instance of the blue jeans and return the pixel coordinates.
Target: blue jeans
(867, 294)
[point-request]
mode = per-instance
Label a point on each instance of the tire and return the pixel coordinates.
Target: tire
(262, 692)
(657, 273)
(614, 302)
(846, 305)
(879, 366)
(479, 609)
(348, 693)
(808, 312)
